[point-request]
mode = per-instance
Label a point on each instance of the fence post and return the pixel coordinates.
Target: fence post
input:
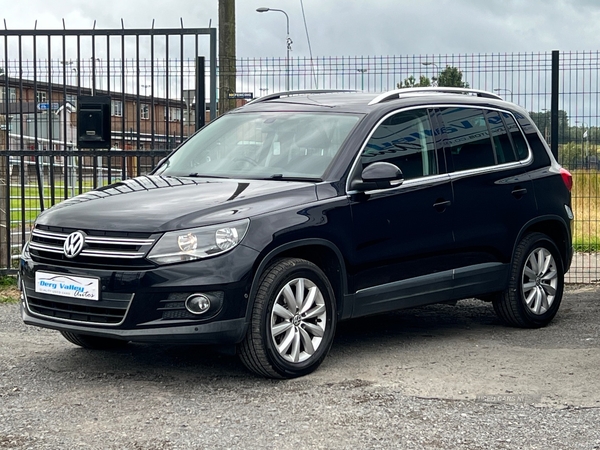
(4, 220)
(554, 104)
(200, 94)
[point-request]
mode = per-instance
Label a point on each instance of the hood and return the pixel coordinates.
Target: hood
(156, 204)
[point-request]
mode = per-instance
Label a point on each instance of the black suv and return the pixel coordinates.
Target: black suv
(301, 209)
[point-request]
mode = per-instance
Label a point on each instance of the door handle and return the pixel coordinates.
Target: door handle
(440, 204)
(519, 192)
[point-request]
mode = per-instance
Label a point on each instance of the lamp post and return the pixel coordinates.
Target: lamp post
(93, 74)
(585, 148)
(546, 120)
(362, 78)
(433, 79)
(288, 41)
(505, 90)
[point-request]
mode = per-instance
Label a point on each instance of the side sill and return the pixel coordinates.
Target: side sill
(439, 287)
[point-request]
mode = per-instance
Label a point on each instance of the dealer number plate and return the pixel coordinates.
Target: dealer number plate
(67, 286)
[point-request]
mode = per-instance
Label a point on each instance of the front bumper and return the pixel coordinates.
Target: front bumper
(218, 332)
(147, 305)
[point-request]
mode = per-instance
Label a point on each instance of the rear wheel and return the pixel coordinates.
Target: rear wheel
(536, 284)
(93, 342)
(293, 321)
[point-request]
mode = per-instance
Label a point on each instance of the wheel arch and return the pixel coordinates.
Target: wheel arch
(323, 253)
(556, 229)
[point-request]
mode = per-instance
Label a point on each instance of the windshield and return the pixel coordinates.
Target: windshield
(262, 145)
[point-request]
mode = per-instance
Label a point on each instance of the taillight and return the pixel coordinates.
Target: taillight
(567, 178)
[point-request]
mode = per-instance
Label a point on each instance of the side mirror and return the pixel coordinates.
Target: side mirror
(379, 175)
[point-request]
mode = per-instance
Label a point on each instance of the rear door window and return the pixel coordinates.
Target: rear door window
(517, 137)
(502, 143)
(468, 138)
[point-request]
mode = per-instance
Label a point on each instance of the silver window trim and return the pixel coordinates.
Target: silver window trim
(451, 175)
(439, 177)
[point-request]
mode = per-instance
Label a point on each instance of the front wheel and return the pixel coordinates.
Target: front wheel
(293, 321)
(536, 284)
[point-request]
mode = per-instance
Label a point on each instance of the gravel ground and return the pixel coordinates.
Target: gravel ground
(426, 378)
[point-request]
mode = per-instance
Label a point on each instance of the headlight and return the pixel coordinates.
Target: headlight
(197, 243)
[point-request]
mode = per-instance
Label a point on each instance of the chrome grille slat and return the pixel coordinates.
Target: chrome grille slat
(118, 241)
(45, 248)
(97, 247)
(110, 254)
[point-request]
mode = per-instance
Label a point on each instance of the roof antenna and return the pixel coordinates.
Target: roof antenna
(5, 25)
(122, 24)
(64, 26)
(35, 26)
(94, 25)
(181, 19)
(153, 24)
(209, 23)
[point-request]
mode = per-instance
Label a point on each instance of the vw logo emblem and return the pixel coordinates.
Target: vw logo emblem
(74, 244)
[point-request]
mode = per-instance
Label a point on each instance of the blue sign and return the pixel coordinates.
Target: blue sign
(46, 106)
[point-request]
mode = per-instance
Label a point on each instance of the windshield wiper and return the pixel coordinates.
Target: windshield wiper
(199, 175)
(279, 176)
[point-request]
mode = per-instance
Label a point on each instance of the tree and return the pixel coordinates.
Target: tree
(451, 77)
(566, 133)
(412, 82)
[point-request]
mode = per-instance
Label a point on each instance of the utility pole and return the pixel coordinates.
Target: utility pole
(227, 63)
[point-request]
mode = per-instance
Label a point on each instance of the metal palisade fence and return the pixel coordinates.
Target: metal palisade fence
(156, 80)
(155, 109)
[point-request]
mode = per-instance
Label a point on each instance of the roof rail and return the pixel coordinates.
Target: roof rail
(268, 97)
(397, 93)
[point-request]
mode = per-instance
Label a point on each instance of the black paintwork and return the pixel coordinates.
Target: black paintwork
(434, 240)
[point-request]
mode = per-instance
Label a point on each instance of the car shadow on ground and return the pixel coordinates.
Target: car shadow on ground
(172, 363)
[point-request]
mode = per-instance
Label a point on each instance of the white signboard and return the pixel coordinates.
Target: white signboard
(67, 286)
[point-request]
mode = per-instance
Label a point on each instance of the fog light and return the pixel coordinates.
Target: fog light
(197, 304)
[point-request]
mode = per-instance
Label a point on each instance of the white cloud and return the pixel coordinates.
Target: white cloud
(346, 27)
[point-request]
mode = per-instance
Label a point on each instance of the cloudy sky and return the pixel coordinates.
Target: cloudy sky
(346, 27)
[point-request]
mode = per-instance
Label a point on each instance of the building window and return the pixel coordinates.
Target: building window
(12, 95)
(144, 112)
(174, 114)
(40, 97)
(117, 108)
(72, 99)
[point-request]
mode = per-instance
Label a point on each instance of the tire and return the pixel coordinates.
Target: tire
(536, 284)
(93, 342)
(293, 321)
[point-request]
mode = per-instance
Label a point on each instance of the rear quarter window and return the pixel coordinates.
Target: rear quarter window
(540, 155)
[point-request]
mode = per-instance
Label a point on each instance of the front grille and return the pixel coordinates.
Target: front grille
(64, 309)
(101, 247)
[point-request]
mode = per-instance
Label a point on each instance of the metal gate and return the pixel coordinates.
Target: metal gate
(156, 79)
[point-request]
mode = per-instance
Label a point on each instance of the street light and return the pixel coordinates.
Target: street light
(362, 78)
(287, 40)
(584, 136)
(433, 79)
(505, 90)
(94, 61)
